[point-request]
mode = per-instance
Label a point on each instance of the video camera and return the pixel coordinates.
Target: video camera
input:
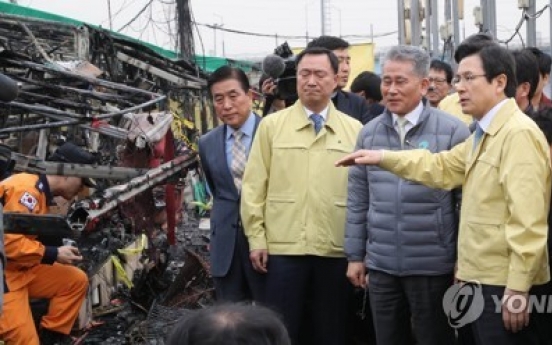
(280, 66)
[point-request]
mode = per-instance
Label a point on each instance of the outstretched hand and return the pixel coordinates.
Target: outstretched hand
(361, 157)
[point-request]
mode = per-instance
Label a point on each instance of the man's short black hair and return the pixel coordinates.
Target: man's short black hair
(544, 60)
(334, 62)
(495, 59)
(230, 324)
(370, 83)
(227, 72)
(472, 45)
(442, 66)
(527, 70)
(543, 119)
(328, 42)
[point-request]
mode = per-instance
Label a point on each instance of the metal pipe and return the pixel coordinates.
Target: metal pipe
(531, 23)
(491, 16)
(91, 80)
(29, 128)
(550, 25)
(402, 29)
(435, 27)
(36, 165)
(427, 14)
(455, 23)
(89, 210)
(415, 22)
(323, 17)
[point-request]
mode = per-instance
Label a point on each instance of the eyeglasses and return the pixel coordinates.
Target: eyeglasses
(437, 80)
(468, 78)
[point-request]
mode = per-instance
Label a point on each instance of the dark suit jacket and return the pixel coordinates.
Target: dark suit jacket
(352, 105)
(225, 214)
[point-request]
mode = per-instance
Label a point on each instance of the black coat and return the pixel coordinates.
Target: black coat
(352, 105)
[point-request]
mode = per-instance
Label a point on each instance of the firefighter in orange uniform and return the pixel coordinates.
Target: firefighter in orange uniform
(37, 271)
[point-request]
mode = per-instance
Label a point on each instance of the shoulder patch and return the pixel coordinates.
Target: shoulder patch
(29, 201)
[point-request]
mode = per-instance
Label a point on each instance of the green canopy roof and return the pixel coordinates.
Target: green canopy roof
(207, 63)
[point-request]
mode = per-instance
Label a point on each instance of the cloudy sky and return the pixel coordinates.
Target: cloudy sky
(268, 17)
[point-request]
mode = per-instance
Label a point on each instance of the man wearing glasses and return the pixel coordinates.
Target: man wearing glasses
(504, 170)
(440, 78)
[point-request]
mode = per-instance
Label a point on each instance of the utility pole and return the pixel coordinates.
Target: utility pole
(456, 23)
(488, 9)
(220, 26)
(435, 27)
(550, 27)
(402, 29)
(108, 13)
(492, 17)
(531, 38)
(325, 16)
(428, 18)
(415, 22)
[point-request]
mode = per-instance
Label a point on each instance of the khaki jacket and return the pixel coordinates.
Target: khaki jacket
(506, 196)
(293, 199)
(451, 105)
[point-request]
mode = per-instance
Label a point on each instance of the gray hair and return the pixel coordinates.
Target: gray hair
(417, 56)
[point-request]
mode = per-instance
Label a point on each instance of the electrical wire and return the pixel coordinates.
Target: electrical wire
(136, 16)
(516, 30)
(524, 17)
(290, 37)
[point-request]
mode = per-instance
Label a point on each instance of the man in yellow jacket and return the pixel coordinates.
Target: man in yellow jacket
(293, 204)
(504, 168)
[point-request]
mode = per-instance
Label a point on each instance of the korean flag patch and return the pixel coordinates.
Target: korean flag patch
(28, 201)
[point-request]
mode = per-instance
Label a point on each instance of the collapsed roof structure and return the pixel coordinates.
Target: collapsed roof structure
(139, 109)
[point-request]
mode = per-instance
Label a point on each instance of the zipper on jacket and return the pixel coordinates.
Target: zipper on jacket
(398, 229)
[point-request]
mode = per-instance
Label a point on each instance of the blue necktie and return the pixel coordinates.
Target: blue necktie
(477, 136)
(318, 121)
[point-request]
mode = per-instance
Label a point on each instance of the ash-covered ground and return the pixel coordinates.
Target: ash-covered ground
(161, 294)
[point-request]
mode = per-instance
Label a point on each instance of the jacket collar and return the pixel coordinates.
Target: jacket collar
(503, 114)
(388, 118)
(300, 120)
(43, 186)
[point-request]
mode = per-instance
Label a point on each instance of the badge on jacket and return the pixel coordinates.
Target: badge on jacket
(29, 201)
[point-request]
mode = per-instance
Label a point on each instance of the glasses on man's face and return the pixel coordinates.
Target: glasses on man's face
(468, 78)
(437, 81)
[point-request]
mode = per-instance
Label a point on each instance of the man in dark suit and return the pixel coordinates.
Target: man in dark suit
(346, 102)
(223, 153)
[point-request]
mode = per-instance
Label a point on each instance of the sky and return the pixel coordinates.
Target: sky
(269, 17)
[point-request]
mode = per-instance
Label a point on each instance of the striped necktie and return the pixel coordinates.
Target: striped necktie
(238, 159)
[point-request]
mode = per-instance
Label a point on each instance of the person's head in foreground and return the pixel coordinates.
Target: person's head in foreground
(230, 324)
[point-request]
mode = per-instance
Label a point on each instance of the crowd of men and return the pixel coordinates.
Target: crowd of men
(448, 182)
(349, 215)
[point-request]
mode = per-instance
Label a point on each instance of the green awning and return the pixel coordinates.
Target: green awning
(207, 63)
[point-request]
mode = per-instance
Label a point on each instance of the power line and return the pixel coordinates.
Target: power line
(136, 16)
(289, 37)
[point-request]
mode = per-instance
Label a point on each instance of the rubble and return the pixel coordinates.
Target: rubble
(138, 112)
